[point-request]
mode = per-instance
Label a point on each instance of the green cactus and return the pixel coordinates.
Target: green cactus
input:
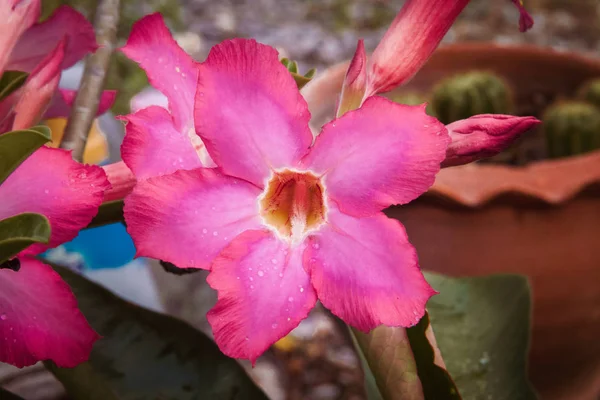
(471, 93)
(590, 92)
(571, 127)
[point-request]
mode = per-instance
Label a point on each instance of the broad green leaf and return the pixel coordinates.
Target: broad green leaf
(435, 379)
(144, 355)
(19, 232)
(6, 395)
(16, 146)
(482, 329)
(82, 382)
(388, 363)
(10, 81)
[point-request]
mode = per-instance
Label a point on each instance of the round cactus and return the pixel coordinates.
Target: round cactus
(571, 127)
(590, 92)
(471, 93)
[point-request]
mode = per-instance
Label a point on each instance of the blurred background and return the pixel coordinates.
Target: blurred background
(535, 210)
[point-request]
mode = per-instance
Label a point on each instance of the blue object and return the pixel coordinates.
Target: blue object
(108, 246)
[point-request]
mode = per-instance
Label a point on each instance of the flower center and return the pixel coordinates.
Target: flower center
(293, 204)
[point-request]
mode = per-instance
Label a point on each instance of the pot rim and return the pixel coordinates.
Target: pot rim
(552, 182)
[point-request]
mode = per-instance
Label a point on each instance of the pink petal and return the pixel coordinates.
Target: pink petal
(249, 112)
(63, 99)
(170, 69)
(411, 39)
(188, 217)
(525, 20)
(483, 136)
(51, 183)
(39, 318)
(152, 146)
(381, 154)
(366, 272)
(41, 38)
(17, 16)
(353, 88)
(264, 293)
(36, 93)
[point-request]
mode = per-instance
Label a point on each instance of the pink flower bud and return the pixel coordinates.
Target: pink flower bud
(483, 136)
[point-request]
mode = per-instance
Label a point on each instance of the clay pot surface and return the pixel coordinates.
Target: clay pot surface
(541, 220)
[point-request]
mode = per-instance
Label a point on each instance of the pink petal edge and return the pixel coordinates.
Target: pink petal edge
(366, 272)
(170, 69)
(249, 112)
(153, 147)
(51, 183)
(378, 155)
(38, 90)
(39, 318)
(263, 293)
(41, 38)
(188, 217)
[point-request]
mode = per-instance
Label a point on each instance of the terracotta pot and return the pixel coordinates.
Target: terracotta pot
(542, 220)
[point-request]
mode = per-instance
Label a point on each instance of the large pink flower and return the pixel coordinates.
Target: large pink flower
(282, 221)
(39, 318)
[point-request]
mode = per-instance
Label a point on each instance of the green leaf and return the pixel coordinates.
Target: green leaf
(390, 369)
(19, 232)
(10, 81)
(82, 382)
(16, 146)
(6, 395)
(435, 379)
(144, 355)
(311, 73)
(482, 329)
(301, 81)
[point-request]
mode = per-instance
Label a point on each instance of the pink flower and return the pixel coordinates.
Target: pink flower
(282, 221)
(43, 50)
(39, 318)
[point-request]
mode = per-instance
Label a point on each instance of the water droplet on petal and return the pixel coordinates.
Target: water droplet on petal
(251, 286)
(215, 233)
(274, 260)
(316, 246)
(46, 191)
(251, 279)
(204, 230)
(260, 273)
(301, 289)
(3, 317)
(290, 299)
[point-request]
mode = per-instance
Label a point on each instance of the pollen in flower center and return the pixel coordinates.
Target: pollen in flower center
(293, 203)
